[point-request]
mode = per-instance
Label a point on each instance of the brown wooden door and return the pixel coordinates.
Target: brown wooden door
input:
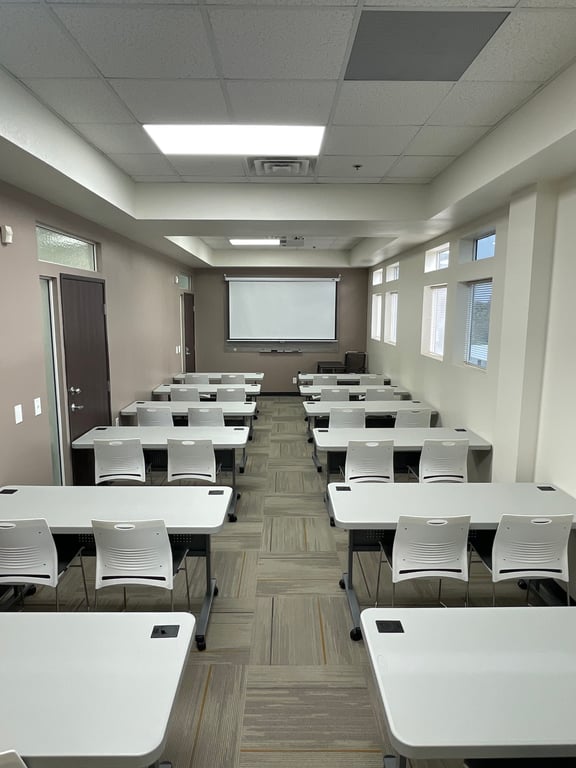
(189, 342)
(85, 353)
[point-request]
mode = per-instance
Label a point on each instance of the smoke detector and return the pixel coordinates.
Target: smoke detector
(281, 167)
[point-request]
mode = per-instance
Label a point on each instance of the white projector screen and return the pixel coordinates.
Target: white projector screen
(268, 309)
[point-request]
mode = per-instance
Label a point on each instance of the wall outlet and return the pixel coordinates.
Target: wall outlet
(294, 380)
(18, 417)
(37, 406)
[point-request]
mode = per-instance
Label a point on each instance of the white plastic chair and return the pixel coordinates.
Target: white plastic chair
(370, 461)
(324, 380)
(335, 395)
(237, 395)
(136, 552)
(29, 554)
(414, 418)
(427, 547)
(119, 460)
(233, 378)
(382, 393)
(372, 379)
(196, 378)
(191, 460)
(154, 416)
(444, 461)
(206, 417)
(11, 759)
(184, 393)
(346, 417)
(527, 547)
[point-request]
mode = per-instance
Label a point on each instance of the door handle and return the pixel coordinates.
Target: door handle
(74, 390)
(75, 407)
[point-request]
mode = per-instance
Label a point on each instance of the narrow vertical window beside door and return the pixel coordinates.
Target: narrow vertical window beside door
(478, 323)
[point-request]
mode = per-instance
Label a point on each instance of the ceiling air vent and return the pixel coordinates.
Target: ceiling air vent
(281, 167)
(292, 242)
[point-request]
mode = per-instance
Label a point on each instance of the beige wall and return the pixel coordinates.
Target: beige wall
(214, 354)
(143, 307)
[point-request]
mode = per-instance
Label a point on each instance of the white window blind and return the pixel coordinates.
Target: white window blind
(376, 319)
(478, 323)
(434, 320)
(391, 317)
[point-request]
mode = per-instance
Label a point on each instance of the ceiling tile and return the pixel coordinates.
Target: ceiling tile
(388, 103)
(419, 167)
(207, 166)
(285, 102)
(131, 41)
(444, 140)
(343, 167)
(372, 140)
(119, 139)
(81, 100)
(48, 51)
(529, 46)
(470, 103)
(173, 101)
(281, 43)
(143, 165)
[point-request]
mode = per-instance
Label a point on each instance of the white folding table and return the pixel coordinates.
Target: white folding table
(315, 409)
(334, 441)
(230, 410)
(192, 515)
(162, 392)
(355, 390)
(90, 690)
(460, 683)
(366, 509)
(343, 378)
(215, 377)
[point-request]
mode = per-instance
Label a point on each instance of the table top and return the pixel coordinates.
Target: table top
(208, 389)
(180, 407)
(358, 506)
(343, 378)
(405, 438)
(354, 389)
(71, 508)
(156, 437)
(371, 407)
(215, 377)
(89, 689)
(476, 682)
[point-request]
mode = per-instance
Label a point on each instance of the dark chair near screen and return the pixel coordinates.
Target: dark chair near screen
(355, 362)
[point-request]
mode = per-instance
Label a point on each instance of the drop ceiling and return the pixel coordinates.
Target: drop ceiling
(405, 89)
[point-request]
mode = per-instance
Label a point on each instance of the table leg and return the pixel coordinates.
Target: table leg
(395, 761)
(211, 592)
(248, 422)
(315, 458)
(346, 582)
(311, 421)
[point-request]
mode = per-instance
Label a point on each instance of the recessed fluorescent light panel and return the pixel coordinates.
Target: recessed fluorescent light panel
(283, 140)
(254, 241)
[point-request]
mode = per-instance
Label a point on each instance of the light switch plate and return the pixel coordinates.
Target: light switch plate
(18, 417)
(37, 406)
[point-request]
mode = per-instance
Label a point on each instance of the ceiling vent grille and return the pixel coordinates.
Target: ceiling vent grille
(292, 242)
(281, 167)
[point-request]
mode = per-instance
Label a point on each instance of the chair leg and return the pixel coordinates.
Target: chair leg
(125, 599)
(568, 593)
(378, 576)
(187, 583)
(95, 599)
(57, 599)
(493, 595)
(528, 585)
(172, 599)
(84, 581)
(393, 594)
(440, 593)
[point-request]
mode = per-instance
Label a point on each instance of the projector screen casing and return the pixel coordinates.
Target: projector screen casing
(289, 309)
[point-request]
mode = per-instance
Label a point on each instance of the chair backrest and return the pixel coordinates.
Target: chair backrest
(324, 380)
(206, 417)
(184, 393)
(369, 461)
(119, 460)
(430, 546)
(11, 759)
(347, 417)
(154, 416)
(527, 546)
(132, 552)
(419, 417)
(237, 395)
(355, 362)
(444, 461)
(382, 393)
(233, 378)
(191, 460)
(336, 394)
(27, 553)
(374, 379)
(196, 378)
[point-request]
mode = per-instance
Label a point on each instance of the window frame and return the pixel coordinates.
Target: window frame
(391, 317)
(432, 258)
(475, 246)
(378, 276)
(393, 272)
(432, 323)
(376, 317)
(81, 240)
(476, 362)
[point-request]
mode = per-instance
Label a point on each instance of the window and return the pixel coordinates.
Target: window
(392, 272)
(484, 247)
(65, 250)
(377, 277)
(437, 258)
(391, 317)
(433, 320)
(478, 322)
(376, 320)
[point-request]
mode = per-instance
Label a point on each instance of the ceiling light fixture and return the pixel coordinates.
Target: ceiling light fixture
(254, 241)
(284, 140)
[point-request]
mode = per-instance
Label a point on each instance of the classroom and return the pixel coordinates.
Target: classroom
(428, 157)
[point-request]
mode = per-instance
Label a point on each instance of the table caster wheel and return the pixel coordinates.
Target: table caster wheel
(215, 591)
(310, 439)
(232, 518)
(319, 469)
(241, 470)
(341, 584)
(356, 634)
(201, 643)
(332, 523)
